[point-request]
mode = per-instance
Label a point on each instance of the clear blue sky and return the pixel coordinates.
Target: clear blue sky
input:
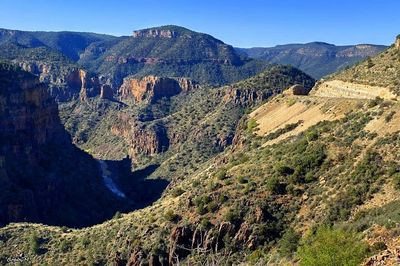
(243, 23)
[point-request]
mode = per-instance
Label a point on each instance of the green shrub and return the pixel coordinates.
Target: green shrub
(289, 242)
(275, 186)
(65, 246)
(221, 174)
(251, 124)
(396, 180)
(331, 247)
(177, 192)
(170, 216)
(117, 215)
(33, 243)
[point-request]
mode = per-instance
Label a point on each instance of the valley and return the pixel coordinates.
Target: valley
(170, 147)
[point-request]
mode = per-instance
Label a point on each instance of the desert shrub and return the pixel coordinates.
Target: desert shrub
(242, 180)
(251, 124)
(389, 116)
(221, 174)
(64, 246)
(375, 102)
(233, 216)
(171, 216)
(283, 169)
(33, 243)
(331, 247)
(396, 180)
(177, 192)
(275, 186)
(117, 215)
(205, 223)
(289, 242)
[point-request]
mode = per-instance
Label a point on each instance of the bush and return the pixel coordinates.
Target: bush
(177, 192)
(251, 124)
(65, 246)
(396, 180)
(275, 186)
(170, 216)
(34, 244)
(331, 247)
(289, 242)
(221, 174)
(117, 215)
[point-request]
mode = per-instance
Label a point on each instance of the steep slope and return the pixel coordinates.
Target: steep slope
(40, 169)
(169, 51)
(318, 59)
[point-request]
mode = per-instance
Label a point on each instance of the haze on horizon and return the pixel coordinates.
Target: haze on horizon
(253, 23)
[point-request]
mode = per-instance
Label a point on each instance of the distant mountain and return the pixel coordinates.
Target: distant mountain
(318, 59)
(71, 44)
(169, 51)
(379, 71)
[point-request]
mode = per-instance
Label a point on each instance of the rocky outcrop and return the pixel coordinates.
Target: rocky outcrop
(143, 139)
(297, 90)
(67, 82)
(246, 97)
(397, 42)
(154, 33)
(153, 88)
(343, 89)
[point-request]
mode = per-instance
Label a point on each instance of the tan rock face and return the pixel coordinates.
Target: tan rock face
(397, 43)
(67, 83)
(152, 88)
(142, 139)
(154, 33)
(343, 89)
(297, 90)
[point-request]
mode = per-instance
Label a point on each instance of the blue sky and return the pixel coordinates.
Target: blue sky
(243, 23)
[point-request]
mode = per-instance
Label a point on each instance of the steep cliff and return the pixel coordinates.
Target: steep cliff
(40, 169)
(66, 80)
(153, 88)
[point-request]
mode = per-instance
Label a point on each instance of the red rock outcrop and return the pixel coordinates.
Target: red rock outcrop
(152, 88)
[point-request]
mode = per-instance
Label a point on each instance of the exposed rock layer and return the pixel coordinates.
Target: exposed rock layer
(153, 88)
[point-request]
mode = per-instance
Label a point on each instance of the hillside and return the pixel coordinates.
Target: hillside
(169, 51)
(317, 59)
(379, 71)
(70, 44)
(309, 176)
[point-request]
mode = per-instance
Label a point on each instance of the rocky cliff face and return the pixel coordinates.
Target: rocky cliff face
(67, 82)
(142, 139)
(153, 88)
(40, 169)
(155, 33)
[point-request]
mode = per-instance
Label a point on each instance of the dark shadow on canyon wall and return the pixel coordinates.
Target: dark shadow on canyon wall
(138, 189)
